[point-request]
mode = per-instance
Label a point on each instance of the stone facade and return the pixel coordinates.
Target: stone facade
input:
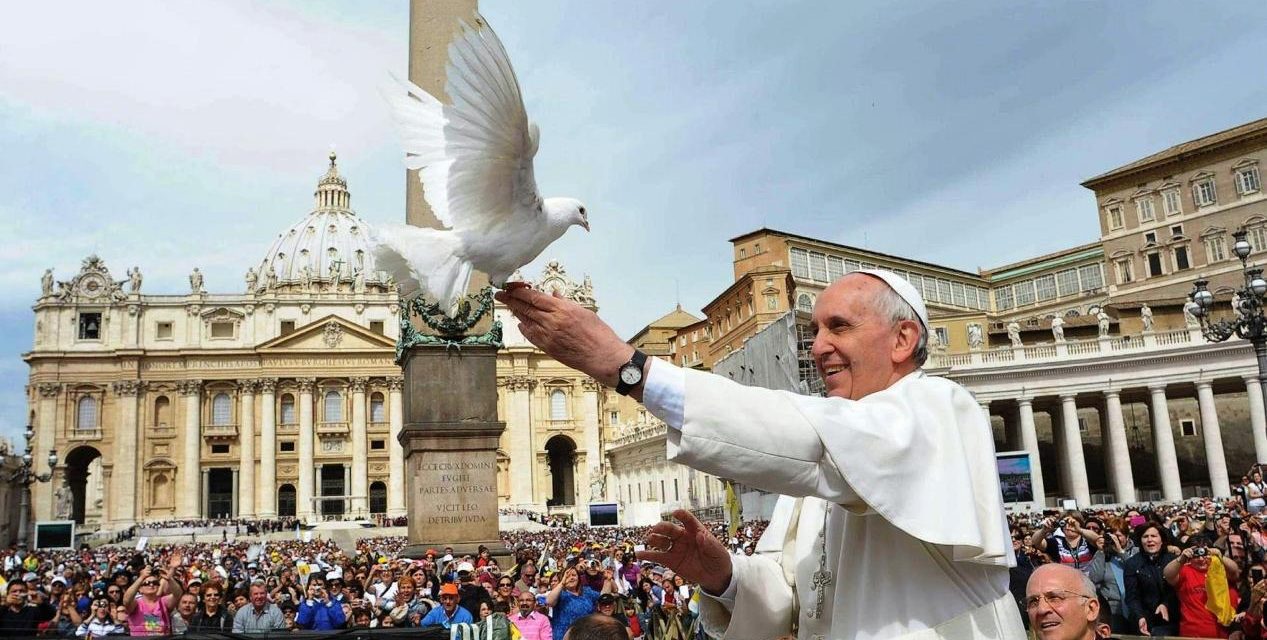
(260, 403)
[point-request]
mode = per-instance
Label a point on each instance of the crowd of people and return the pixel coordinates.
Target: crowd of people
(546, 582)
(248, 526)
(1196, 569)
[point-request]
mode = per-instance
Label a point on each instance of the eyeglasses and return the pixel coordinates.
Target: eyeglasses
(1053, 599)
(150, 583)
(506, 584)
(210, 594)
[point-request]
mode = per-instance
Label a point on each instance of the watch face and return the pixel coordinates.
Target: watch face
(630, 374)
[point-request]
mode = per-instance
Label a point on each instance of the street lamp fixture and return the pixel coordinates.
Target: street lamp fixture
(23, 477)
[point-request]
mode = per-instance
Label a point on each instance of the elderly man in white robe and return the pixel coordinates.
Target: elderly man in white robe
(892, 525)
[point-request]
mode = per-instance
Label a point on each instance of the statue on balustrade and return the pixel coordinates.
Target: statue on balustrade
(1190, 314)
(1103, 320)
(46, 283)
(1058, 328)
(1014, 333)
(1146, 314)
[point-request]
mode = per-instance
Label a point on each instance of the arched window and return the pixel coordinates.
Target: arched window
(162, 411)
(378, 497)
(286, 500)
(221, 410)
(377, 412)
(805, 302)
(288, 409)
(558, 405)
(87, 413)
(334, 407)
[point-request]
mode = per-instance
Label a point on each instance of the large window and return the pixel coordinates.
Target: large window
(1124, 272)
(288, 409)
(1181, 258)
(818, 266)
(377, 412)
(86, 414)
(1153, 260)
(957, 294)
(221, 410)
(1115, 217)
(1067, 282)
(800, 263)
(943, 291)
(1092, 277)
(1144, 209)
(835, 268)
(1024, 293)
(1046, 286)
(1204, 193)
(1215, 249)
(1003, 299)
(558, 405)
(1172, 204)
(1258, 238)
(1247, 180)
(333, 406)
(378, 497)
(162, 412)
(805, 302)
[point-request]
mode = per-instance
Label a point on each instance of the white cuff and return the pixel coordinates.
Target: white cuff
(727, 597)
(664, 392)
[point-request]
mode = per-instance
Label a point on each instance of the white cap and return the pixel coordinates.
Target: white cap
(465, 566)
(905, 290)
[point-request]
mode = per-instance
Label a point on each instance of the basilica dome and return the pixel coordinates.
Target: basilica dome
(328, 247)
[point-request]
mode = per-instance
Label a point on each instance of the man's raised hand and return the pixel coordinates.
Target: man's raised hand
(568, 332)
(690, 550)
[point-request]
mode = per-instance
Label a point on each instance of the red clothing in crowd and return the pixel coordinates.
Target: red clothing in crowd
(1194, 619)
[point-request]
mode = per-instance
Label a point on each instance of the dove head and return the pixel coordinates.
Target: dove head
(568, 211)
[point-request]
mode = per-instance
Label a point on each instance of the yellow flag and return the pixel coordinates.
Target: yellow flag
(1216, 596)
(734, 510)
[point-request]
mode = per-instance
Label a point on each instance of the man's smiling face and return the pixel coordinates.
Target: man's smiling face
(856, 350)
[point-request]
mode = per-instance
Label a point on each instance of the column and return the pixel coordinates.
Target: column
(359, 504)
(124, 478)
(245, 489)
(235, 509)
(1164, 444)
(1257, 417)
(1079, 488)
(190, 486)
(396, 459)
(1119, 453)
(519, 426)
(206, 497)
(303, 508)
(1213, 437)
(268, 449)
(593, 489)
(1029, 440)
(45, 439)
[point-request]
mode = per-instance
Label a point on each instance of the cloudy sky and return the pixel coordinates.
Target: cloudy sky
(172, 134)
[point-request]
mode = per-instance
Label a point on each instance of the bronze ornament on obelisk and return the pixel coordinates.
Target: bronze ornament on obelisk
(451, 431)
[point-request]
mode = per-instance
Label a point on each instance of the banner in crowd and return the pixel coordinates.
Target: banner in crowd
(1015, 476)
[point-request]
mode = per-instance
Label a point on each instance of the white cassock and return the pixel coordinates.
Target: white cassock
(903, 482)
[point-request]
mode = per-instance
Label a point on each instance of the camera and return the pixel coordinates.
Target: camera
(1200, 552)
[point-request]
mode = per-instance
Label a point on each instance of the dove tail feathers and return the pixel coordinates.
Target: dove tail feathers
(423, 260)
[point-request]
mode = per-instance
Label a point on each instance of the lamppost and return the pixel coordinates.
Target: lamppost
(23, 477)
(1248, 303)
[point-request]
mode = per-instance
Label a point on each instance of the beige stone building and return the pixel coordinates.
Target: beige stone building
(279, 399)
(1082, 357)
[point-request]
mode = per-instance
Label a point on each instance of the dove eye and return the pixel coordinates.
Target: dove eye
(582, 210)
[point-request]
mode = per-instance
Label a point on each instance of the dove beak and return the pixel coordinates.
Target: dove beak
(585, 224)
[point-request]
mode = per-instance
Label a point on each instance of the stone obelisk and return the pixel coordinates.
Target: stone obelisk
(451, 431)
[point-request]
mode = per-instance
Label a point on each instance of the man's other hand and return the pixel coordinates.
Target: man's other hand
(691, 551)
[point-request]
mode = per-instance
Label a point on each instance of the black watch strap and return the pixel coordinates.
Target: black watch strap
(638, 361)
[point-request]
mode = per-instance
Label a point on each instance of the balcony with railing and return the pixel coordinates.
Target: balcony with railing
(1070, 350)
(639, 432)
(220, 431)
(332, 428)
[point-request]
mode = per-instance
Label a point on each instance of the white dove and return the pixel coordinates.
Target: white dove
(475, 161)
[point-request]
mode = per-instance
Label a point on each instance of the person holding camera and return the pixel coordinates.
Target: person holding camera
(319, 612)
(1187, 574)
(22, 618)
(1072, 545)
(149, 611)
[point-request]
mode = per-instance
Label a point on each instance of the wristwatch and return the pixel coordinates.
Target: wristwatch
(630, 373)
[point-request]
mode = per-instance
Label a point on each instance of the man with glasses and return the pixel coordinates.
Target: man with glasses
(532, 625)
(213, 616)
(1061, 604)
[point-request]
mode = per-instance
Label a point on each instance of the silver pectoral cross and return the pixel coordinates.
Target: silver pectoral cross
(819, 581)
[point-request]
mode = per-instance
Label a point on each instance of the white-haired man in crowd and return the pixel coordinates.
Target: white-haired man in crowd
(892, 524)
